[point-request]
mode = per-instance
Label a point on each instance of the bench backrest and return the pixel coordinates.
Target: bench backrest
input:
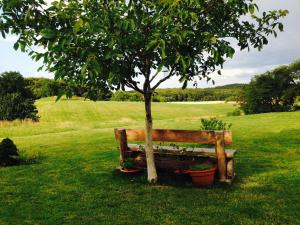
(187, 136)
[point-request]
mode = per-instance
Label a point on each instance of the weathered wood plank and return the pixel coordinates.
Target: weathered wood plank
(230, 168)
(220, 154)
(122, 137)
(188, 136)
(172, 150)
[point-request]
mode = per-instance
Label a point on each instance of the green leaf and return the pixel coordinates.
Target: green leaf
(160, 67)
(83, 69)
(183, 64)
(265, 41)
(251, 8)
(47, 33)
(280, 26)
(163, 49)
(60, 94)
(184, 85)
(3, 34)
(16, 46)
(38, 57)
(152, 44)
(78, 25)
(213, 40)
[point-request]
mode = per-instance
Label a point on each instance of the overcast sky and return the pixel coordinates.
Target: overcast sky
(282, 50)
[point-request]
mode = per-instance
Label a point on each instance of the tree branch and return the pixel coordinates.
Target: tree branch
(132, 84)
(152, 78)
(163, 79)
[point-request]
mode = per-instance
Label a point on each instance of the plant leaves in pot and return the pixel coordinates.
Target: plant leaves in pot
(129, 167)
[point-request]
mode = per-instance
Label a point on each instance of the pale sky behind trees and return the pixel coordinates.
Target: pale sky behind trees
(282, 50)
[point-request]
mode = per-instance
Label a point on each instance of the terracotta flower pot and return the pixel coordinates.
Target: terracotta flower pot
(203, 177)
(132, 171)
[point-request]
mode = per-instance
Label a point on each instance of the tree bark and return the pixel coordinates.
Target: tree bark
(151, 169)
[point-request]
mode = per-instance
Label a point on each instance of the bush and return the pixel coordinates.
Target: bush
(8, 153)
(16, 101)
(214, 124)
(273, 91)
(236, 112)
(14, 106)
(123, 96)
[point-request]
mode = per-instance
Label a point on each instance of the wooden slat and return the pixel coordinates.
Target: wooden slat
(188, 136)
(220, 154)
(123, 143)
(205, 152)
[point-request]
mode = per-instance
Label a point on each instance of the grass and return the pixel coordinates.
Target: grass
(75, 182)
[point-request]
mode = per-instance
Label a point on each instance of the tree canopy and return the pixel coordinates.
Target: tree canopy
(273, 91)
(113, 42)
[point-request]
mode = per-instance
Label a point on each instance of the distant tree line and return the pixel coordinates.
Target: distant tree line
(230, 92)
(45, 87)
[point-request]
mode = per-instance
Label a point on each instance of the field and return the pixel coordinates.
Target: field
(75, 181)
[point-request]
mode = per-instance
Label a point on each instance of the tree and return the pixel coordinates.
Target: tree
(123, 43)
(16, 101)
(273, 91)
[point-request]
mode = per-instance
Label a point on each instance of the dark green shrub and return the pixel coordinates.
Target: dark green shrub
(123, 96)
(13, 82)
(8, 153)
(129, 164)
(235, 112)
(214, 124)
(14, 106)
(16, 101)
(273, 91)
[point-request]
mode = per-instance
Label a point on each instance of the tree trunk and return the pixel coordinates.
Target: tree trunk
(151, 169)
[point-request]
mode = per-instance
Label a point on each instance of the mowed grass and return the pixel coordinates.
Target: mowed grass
(76, 183)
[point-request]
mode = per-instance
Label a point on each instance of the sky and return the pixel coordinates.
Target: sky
(281, 50)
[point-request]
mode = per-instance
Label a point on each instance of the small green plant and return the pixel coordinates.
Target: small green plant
(129, 164)
(202, 167)
(235, 112)
(8, 153)
(214, 124)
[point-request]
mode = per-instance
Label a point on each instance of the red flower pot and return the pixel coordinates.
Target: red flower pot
(203, 177)
(131, 171)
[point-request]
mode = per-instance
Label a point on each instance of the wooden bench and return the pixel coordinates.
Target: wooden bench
(173, 157)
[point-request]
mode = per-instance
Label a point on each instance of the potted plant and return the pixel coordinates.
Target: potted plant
(203, 175)
(129, 167)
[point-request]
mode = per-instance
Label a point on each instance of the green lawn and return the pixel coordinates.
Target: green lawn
(76, 183)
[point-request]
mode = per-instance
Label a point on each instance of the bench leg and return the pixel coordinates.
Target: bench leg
(220, 154)
(230, 169)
